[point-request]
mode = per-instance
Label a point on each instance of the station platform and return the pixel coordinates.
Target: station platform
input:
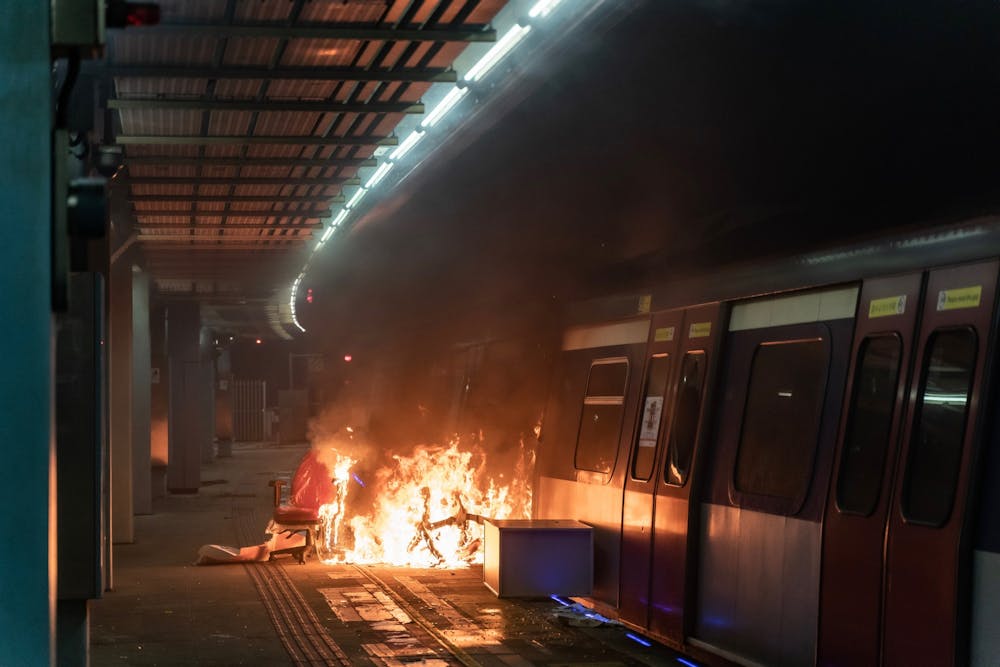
(164, 610)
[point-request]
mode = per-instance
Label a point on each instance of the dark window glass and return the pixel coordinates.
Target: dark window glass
(601, 421)
(686, 413)
(868, 424)
(939, 426)
(607, 379)
(652, 417)
(782, 418)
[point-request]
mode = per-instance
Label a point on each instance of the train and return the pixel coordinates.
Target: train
(793, 461)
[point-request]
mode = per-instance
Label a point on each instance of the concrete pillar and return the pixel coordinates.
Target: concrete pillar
(120, 404)
(190, 420)
(27, 578)
(159, 400)
(141, 488)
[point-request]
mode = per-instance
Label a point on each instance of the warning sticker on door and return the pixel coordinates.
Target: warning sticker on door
(700, 330)
(962, 297)
(650, 421)
(890, 305)
(663, 334)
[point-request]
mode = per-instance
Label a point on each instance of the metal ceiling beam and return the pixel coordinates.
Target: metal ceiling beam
(253, 213)
(289, 140)
(322, 199)
(249, 162)
(265, 105)
(322, 31)
(181, 228)
(297, 73)
(237, 180)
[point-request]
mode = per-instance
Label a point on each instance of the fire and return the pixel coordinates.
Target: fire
(332, 513)
(427, 509)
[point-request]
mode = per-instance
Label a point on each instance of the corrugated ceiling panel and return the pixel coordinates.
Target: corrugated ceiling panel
(263, 11)
(213, 190)
(229, 123)
(223, 150)
(320, 52)
(208, 219)
(451, 11)
(387, 90)
(170, 190)
(326, 121)
(219, 171)
(247, 219)
(138, 87)
(160, 121)
(246, 206)
(173, 49)
(179, 206)
(257, 190)
(285, 89)
(285, 123)
(237, 89)
(396, 11)
(191, 10)
(162, 170)
(346, 91)
(364, 125)
(484, 12)
(179, 221)
(427, 8)
(414, 92)
(250, 50)
(358, 11)
(446, 56)
(366, 91)
(418, 54)
(210, 207)
(396, 52)
(273, 150)
(368, 54)
(161, 151)
(388, 123)
(259, 171)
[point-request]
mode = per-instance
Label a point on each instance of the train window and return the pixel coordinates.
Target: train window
(686, 413)
(652, 416)
(939, 426)
(603, 408)
(869, 421)
(782, 418)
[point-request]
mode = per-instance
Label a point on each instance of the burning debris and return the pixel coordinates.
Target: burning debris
(424, 509)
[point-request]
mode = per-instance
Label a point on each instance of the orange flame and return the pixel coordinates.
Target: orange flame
(428, 508)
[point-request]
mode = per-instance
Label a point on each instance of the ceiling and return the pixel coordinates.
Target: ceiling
(241, 122)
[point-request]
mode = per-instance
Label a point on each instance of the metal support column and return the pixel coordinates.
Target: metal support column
(27, 578)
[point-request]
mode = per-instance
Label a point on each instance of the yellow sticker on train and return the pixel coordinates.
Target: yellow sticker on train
(962, 297)
(663, 335)
(645, 303)
(890, 305)
(700, 330)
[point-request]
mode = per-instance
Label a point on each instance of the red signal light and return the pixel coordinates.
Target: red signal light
(309, 295)
(347, 357)
(258, 341)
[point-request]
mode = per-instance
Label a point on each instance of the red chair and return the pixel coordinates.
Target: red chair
(312, 487)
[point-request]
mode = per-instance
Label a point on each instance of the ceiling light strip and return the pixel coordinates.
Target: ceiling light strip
(504, 46)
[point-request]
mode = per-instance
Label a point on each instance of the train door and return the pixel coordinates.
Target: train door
(766, 475)
(859, 499)
(640, 479)
(928, 545)
(674, 518)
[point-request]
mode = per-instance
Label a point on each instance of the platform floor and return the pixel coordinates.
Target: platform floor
(164, 610)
